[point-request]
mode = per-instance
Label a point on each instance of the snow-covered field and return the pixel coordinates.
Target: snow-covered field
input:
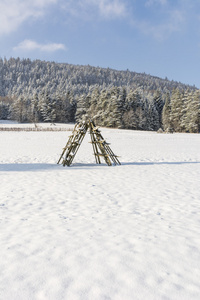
(96, 232)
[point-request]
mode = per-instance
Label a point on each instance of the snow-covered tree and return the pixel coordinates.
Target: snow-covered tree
(166, 114)
(158, 103)
(34, 115)
(192, 119)
(48, 108)
(19, 109)
(152, 116)
(176, 110)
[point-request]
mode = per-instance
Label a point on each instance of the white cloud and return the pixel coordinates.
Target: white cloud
(172, 24)
(30, 45)
(105, 8)
(168, 20)
(14, 12)
(111, 9)
(152, 2)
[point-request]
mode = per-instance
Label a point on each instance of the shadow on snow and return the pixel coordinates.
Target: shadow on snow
(20, 167)
(149, 163)
(39, 167)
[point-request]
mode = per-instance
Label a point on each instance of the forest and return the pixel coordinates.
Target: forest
(40, 91)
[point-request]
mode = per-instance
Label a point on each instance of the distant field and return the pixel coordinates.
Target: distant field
(14, 126)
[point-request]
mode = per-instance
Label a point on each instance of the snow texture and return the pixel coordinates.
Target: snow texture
(96, 232)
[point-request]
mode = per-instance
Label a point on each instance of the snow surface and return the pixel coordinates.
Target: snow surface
(96, 232)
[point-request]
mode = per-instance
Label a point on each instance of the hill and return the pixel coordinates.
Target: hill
(23, 76)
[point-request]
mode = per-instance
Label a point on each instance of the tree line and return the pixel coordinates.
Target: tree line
(48, 92)
(112, 107)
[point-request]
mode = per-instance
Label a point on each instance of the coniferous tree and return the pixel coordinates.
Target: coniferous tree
(121, 101)
(132, 116)
(193, 113)
(103, 112)
(130, 119)
(5, 105)
(158, 102)
(176, 110)
(186, 99)
(19, 110)
(152, 116)
(166, 114)
(34, 115)
(94, 100)
(141, 117)
(113, 112)
(48, 108)
(60, 107)
(81, 111)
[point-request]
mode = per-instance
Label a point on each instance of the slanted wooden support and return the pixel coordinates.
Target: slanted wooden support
(100, 146)
(68, 143)
(105, 150)
(73, 143)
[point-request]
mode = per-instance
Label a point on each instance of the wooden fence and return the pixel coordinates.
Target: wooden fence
(34, 129)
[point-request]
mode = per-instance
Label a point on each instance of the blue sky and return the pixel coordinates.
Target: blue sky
(158, 37)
